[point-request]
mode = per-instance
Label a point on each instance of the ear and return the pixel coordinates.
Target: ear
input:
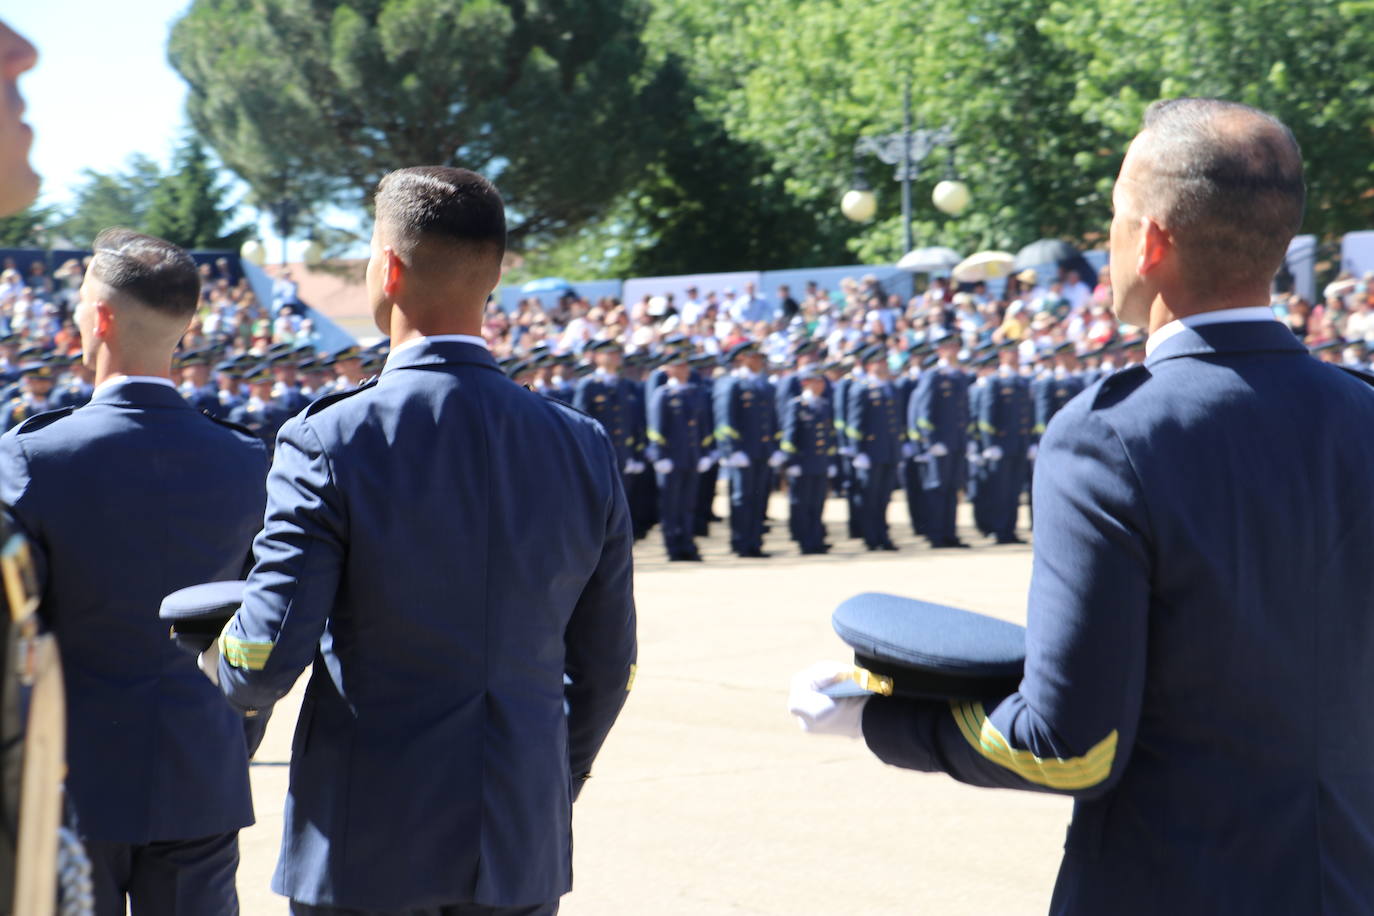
(1155, 245)
(393, 272)
(104, 319)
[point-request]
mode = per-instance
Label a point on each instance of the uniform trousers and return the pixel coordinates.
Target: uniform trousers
(677, 495)
(748, 502)
(453, 909)
(167, 878)
(806, 502)
(875, 485)
(915, 494)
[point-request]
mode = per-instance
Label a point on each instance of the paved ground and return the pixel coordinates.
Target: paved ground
(708, 801)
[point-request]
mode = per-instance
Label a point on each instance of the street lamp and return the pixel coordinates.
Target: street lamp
(907, 150)
(284, 211)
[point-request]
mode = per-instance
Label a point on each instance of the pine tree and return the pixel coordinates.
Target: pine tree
(187, 206)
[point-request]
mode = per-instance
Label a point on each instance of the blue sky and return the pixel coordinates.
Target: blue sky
(102, 90)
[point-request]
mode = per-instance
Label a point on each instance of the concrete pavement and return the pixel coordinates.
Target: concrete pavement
(708, 801)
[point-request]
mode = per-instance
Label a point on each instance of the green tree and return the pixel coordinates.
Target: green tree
(187, 206)
(320, 98)
(103, 200)
(27, 228)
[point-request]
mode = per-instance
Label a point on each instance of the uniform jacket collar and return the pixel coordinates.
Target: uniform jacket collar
(140, 394)
(1230, 337)
(439, 353)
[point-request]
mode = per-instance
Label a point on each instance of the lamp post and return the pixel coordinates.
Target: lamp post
(284, 211)
(906, 150)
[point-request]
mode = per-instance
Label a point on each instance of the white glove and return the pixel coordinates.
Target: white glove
(938, 450)
(794, 471)
(993, 453)
(208, 661)
(633, 467)
(862, 462)
(664, 465)
(831, 471)
(739, 460)
(704, 463)
(1032, 452)
(777, 459)
(819, 714)
(847, 451)
(908, 449)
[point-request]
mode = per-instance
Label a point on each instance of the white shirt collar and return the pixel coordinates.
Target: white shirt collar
(1220, 316)
(440, 338)
(147, 379)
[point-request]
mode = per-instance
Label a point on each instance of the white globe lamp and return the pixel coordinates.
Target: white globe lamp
(859, 205)
(951, 197)
(253, 252)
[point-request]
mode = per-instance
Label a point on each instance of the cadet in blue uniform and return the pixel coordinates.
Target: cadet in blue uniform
(260, 412)
(908, 471)
(876, 435)
(680, 445)
(76, 391)
(1196, 677)
(286, 390)
(703, 366)
(808, 438)
(453, 554)
(36, 380)
(840, 396)
(611, 401)
(1004, 437)
(196, 386)
(158, 769)
(937, 424)
(747, 437)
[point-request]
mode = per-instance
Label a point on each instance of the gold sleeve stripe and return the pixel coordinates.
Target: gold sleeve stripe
(630, 684)
(656, 436)
(241, 654)
(788, 447)
(1054, 772)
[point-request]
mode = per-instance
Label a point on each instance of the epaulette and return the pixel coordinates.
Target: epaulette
(316, 406)
(1120, 383)
(40, 420)
(236, 427)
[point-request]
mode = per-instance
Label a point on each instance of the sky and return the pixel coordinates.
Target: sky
(102, 90)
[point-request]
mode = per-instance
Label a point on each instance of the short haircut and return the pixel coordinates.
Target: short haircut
(446, 205)
(148, 270)
(1226, 180)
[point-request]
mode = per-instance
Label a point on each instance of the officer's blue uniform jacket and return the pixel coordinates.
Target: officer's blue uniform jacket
(126, 500)
(871, 419)
(808, 435)
(1200, 638)
(1005, 419)
(938, 412)
(1049, 393)
(746, 422)
(680, 426)
(262, 418)
(444, 546)
(613, 401)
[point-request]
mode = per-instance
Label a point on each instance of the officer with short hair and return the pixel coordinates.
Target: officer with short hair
(808, 439)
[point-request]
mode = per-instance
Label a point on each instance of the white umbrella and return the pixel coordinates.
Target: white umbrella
(985, 265)
(924, 260)
(1340, 288)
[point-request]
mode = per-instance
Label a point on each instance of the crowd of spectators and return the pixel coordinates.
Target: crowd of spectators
(1036, 310)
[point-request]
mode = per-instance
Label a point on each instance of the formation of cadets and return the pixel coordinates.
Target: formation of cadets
(259, 391)
(946, 422)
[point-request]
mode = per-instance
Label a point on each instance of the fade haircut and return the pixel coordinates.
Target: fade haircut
(454, 207)
(148, 270)
(1226, 180)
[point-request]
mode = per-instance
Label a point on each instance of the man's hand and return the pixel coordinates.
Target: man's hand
(908, 449)
(704, 463)
(633, 467)
(938, 450)
(664, 465)
(993, 453)
(208, 662)
(832, 471)
(777, 459)
(818, 714)
(862, 462)
(739, 460)
(794, 471)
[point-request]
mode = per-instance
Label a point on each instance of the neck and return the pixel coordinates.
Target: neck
(406, 327)
(1165, 309)
(109, 364)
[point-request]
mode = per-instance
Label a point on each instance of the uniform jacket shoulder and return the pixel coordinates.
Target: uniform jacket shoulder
(230, 424)
(335, 397)
(40, 420)
(1118, 386)
(1360, 374)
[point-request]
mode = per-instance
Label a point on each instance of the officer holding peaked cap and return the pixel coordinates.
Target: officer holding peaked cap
(911, 649)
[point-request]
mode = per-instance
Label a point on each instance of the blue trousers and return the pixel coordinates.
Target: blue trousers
(677, 501)
(456, 909)
(167, 878)
(875, 492)
(806, 502)
(748, 502)
(915, 494)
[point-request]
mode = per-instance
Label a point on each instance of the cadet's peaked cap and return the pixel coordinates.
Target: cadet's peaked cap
(701, 361)
(259, 374)
(739, 350)
(37, 369)
(198, 613)
(911, 648)
(603, 346)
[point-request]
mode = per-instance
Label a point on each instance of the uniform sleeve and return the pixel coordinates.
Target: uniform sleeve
(727, 435)
(789, 431)
(600, 640)
(14, 494)
(1071, 726)
(853, 415)
(580, 397)
(298, 559)
(655, 425)
(918, 425)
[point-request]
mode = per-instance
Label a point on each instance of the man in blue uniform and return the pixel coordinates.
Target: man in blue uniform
(909, 470)
(1004, 421)
(680, 444)
(453, 554)
(876, 435)
(808, 438)
(937, 424)
(614, 402)
(260, 413)
(747, 436)
(1196, 677)
(196, 386)
(114, 499)
(36, 380)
